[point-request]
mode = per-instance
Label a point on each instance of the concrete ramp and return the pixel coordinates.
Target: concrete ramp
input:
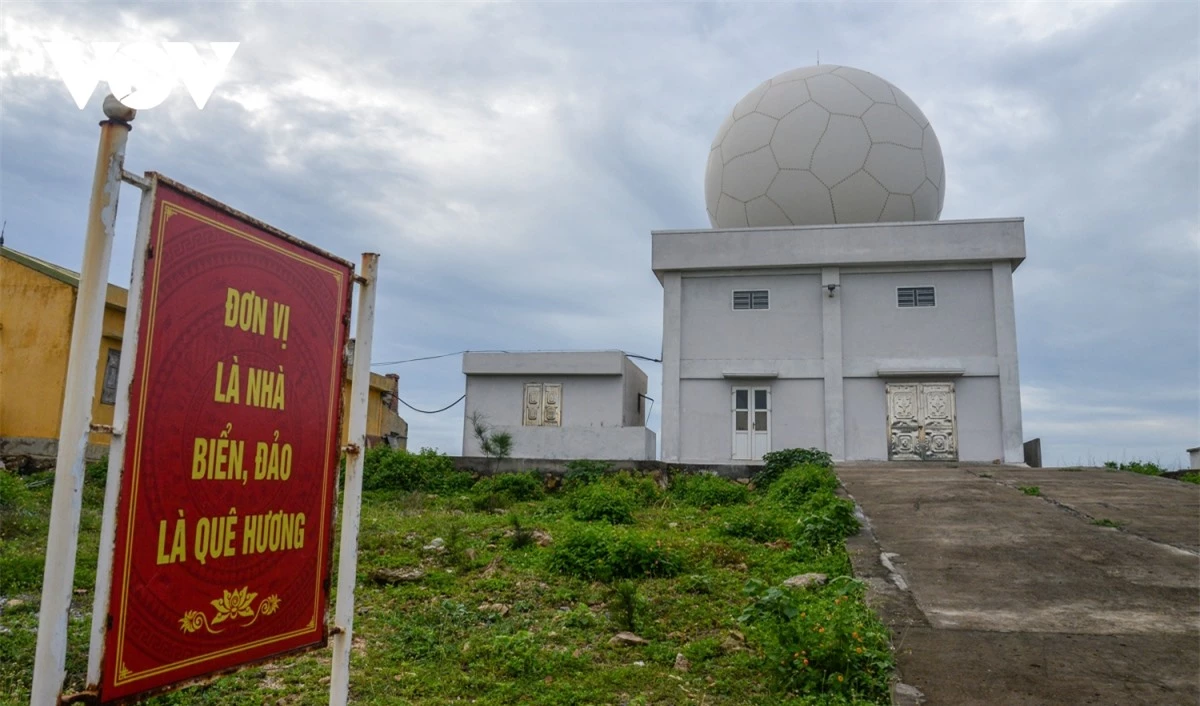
(1007, 585)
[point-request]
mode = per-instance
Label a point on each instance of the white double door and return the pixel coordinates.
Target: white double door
(751, 422)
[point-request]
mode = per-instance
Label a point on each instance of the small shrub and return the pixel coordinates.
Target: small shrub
(581, 618)
(385, 468)
(1143, 467)
(518, 487)
(1105, 522)
(96, 471)
(456, 546)
(796, 485)
(1030, 489)
(602, 553)
(625, 605)
(634, 556)
(776, 462)
(707, 491)
(496, 446)
(699, 584)
(758, 524)
(522, 536)
(583, 553)
(1193, 478)
(584, 472)
(703, 650)
(20, 573)
(518, 655)
(16, 502)
(504, 489)
(825, 520)
(820, 642)
(448, 482)
(489, 502)
(643, 487)
(603, 502)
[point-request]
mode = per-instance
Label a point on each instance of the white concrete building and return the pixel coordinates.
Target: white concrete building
(828, 307)
(562, 405)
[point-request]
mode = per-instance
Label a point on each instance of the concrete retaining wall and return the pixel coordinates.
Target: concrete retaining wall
(556, 466)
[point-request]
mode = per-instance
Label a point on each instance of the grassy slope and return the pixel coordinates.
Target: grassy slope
(429, 643)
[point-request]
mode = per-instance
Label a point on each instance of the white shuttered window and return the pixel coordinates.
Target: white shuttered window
(542, 405)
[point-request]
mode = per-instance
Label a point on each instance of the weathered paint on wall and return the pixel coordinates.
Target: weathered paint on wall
(600, 417)
(784, 331)
(384, 424)
(825, 355)
(37, 308)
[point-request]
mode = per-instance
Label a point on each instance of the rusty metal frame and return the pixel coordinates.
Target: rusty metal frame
(360, 388)
(116, 453)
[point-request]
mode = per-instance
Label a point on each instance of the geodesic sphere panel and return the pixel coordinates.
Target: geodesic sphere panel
(822, 145)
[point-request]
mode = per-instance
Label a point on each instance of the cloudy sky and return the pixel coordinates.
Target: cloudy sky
(510, 160)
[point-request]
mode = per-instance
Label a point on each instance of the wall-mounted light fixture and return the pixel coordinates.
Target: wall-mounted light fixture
(832, 288)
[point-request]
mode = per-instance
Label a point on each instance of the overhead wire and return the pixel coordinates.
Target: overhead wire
(460, 399)
(434, 411)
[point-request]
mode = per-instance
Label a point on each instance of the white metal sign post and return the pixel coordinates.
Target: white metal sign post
(356, 437)
(116, 452)
(50, 661)
(62, 543)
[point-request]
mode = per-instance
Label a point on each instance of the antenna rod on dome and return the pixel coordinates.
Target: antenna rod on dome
(818, 57)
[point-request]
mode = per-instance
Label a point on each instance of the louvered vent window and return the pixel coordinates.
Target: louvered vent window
(750, 299)
(914, 296)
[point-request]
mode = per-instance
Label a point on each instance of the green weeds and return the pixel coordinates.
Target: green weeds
(1145, 468)
(603, 502)
(602, 553)
(705, 491)
(396, 469)
(776, 462)
(823, 641)
(796, 485)
(505, 613)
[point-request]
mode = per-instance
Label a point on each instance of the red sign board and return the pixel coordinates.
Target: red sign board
(224, 522)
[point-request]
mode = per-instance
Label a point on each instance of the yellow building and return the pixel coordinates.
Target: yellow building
(37, 308)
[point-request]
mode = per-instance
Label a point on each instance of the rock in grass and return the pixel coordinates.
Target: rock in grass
(734, 642)
(394, 576)
(491, 567)
(681, 663)
(806, 581)
(438, 544)
(498, 608)
(627, 639)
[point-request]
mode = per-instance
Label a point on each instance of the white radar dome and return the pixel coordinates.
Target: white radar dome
(821, 145)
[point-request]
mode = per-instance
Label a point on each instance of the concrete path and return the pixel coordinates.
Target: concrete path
(996, 596)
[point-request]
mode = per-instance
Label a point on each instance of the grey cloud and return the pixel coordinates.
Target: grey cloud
(509, 161)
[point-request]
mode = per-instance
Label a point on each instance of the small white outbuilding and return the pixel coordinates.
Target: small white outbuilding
(559, 405)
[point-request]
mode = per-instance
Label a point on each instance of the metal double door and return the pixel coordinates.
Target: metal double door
(921, 422)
